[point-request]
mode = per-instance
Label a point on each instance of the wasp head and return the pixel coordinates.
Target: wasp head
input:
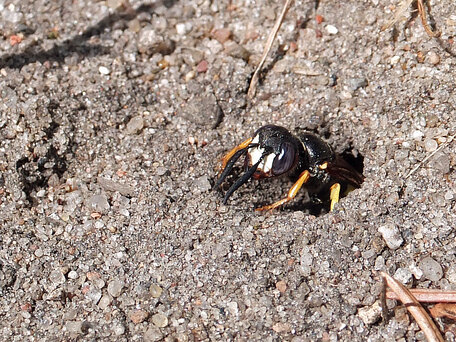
(275, 149)
(272, 151)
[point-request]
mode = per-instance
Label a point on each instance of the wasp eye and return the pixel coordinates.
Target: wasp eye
(285, 160)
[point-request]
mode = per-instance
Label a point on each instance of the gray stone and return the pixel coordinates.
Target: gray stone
(203, 110)
(150, 42)
(57, 277)
(201, 184)
(99, 203)
(153, 334)
(160, 320)
(356, 83)
(115, 287)
(306, 261)
(403, 275)
(73, 327)
(135, 125)
(155, 290)
(105, 301)
(111, 185)
(235, 50)
(440, 162)
(431, 269)
(391, 235)
(94, 294)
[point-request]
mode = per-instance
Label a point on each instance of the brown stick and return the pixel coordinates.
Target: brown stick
(425, 322)
(428, 296)
(427, 28)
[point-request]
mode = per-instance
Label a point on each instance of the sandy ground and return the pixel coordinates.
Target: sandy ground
(112, 120)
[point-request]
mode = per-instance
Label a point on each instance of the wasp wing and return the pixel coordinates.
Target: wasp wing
(341, 171)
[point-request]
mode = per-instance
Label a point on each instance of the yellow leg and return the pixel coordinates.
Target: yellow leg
(303, 177)
(334, 195)
(228, 156)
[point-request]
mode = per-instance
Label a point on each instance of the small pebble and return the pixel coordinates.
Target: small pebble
(114, 3)
(379, 263)
(235, 50)
(112, 185)
(155, 290)
(391, 235)
(449, 195)
(73, 327)
(431, 269)
(202, 66)
(190, 75)
(150, 42)
(94, 294)
(161, 171)
(222, 35)
(57, 277)
(160, 320)
(103, 70)
(281, 327)
(115, 288)
(64, 216)
(403, 275)
(153, 334)
(441, 162)
(232, 308)
(451, 274)
(417, 135)
(202, 184)
(395, 59)
(433, 58)
(183, 28)
(139, 316)
(135, 125)
(105, 301)
(356, 83)
(306, 261)
(281, 286)
(331, 29)
(417, 273)
(93, 275)
(134, 25)
(72, 275)
(99, 203)
(119, 329)
(430, 145)
(370, 314)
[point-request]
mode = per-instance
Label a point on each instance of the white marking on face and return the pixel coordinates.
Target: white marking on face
(255, 154)
(282, 152)
(266, 164)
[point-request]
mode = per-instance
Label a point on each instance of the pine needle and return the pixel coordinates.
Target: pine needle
(267, 48)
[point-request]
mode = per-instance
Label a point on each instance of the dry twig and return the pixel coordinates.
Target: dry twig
(427, 28)
(267, 48)
(428, 296)
(447, 310)
(445, 144)
(399, 15)
(425, 322)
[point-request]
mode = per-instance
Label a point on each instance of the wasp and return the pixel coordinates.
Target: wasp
(310, 161)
